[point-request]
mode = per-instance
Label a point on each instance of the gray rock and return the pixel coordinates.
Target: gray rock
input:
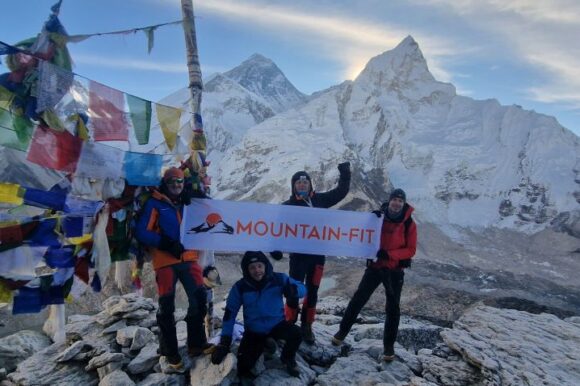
(145, 361)
(82, 328)
(141, 338)
(357, 369)
(104, 318)
(204, 373)
(137, 314)
(103, 359)
(448, 370)
(148, 322)
(117, 378)
(160, 379)
(322, 352)
(80, 351)
(115, 327)
(107, 369)
(42, 369)
(515, 347)
(125, 335)
(19, 346)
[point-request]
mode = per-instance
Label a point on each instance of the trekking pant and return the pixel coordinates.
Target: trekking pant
(393, 283)
(252, 345)
(189, 274)
(307, 269)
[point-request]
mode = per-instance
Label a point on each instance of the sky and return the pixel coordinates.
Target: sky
(523, 52)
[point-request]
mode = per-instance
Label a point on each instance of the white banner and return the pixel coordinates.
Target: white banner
(242, 226)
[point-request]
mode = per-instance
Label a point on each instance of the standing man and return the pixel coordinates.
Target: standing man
(398, 246)
(158, 228)
(306, 268)
(260, 292)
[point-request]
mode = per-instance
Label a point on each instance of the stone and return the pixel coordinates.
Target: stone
(17, 347)
(160, 379)
(107, 369)
(204, 373)
(115, 327)
(141, 338)
(103, 359)
(117, 378)
(81, 350)
(516, 347)
(125, 335)
(145, 361)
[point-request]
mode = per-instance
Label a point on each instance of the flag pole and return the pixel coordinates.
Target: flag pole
(197, 145)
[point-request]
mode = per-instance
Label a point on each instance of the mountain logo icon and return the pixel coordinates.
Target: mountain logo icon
(213, 224)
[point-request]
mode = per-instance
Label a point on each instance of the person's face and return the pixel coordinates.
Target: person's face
(257, 270)
(396, 205)
(302, 185)
(175, 186)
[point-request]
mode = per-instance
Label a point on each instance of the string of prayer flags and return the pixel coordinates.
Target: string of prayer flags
(106, 113)
(169, 121)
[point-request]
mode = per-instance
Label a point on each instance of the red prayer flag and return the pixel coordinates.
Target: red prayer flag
(106, 113)
(55, 150)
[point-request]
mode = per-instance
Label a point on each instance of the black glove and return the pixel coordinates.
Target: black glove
(377, 213)
(221, 350)
(276, 255)
(405, 263)
(382, 254)
(174, 247)
(344, 169)
(290, 291)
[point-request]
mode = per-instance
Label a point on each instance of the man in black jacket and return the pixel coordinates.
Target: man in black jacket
(309, 268)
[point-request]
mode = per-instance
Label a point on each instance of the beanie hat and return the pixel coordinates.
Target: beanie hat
(398, 193)
(173, 173)
(253, 257)
(297, 176)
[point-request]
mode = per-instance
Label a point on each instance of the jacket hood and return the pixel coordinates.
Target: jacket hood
(252, 257)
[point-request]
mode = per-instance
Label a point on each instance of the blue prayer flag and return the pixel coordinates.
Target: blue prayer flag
(143, 169)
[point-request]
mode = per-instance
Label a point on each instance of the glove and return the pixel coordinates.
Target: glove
(276, 255)
(175, 248)
(290, 291)
(377, 213)
(221, 350)
(405, 263)
(344, 169)
(382, 254)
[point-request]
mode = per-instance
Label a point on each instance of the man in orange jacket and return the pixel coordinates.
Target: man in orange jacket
(398, 246)
(158, 228)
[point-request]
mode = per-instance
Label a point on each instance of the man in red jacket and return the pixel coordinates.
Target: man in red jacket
(398, 246)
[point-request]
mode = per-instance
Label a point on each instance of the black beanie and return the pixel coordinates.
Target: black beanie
(297, 176)
(398, 193)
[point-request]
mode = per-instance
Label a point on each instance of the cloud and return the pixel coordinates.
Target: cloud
(349, 40)
(130, 64)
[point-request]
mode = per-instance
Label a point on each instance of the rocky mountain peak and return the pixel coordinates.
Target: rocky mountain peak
(262, 76)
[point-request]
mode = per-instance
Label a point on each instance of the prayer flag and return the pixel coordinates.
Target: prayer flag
(106, 113)
(53, 83)
(140, 113)
(11, 194)
(60, 257)
(168, 118)
(100, 161)
(143, 169)
(54, 150)
(44, 199)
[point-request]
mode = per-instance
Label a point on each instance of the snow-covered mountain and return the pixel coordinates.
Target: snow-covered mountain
(462, 161)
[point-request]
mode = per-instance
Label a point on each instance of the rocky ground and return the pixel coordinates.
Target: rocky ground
(486, 346)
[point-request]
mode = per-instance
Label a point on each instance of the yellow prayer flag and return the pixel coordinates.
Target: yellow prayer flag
(168, 118)
(5, 294)
(11, 194)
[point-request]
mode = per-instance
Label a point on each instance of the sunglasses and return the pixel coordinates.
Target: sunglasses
(175, 181)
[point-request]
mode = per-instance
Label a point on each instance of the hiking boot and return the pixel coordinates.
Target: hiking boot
(389, 354)
(270, 347)
(205, 349)
(175, 362)
(291, 367)
(338, 338)
(307, 334)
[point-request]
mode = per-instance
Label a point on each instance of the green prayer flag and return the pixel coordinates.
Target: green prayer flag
(140, 112)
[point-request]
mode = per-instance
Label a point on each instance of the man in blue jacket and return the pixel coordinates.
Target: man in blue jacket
(260, 292)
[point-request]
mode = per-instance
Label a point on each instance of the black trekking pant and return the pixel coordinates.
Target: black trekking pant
(393, 283)
(307, 269)
(252, 345)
